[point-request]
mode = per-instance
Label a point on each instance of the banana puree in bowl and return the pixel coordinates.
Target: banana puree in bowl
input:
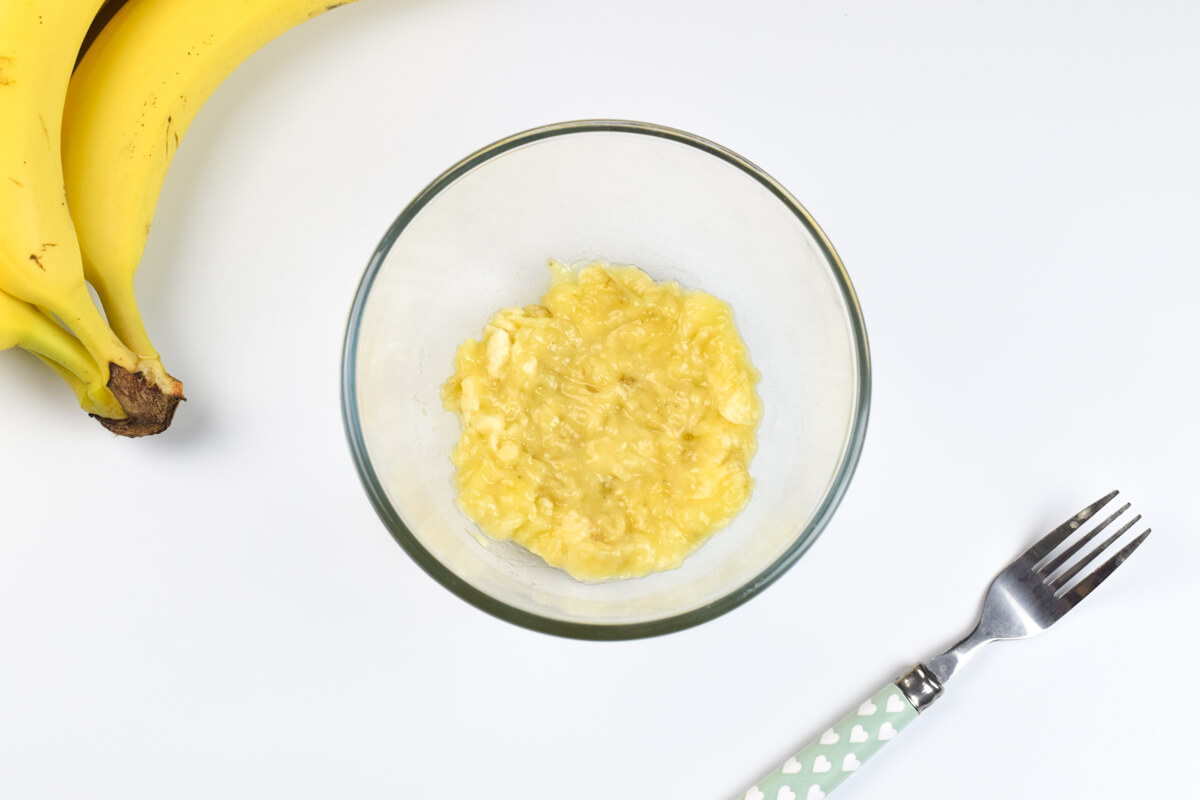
(609, 427)
(694, 217)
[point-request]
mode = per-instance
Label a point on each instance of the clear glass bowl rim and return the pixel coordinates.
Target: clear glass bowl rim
(582, 630)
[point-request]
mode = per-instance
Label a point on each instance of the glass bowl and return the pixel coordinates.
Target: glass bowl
(478, 238)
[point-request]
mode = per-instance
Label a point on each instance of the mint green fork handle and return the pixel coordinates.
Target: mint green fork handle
(822, 766)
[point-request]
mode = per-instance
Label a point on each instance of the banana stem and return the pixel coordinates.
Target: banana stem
(120, 306)
(89, 404)
(146, 394)
(93, 331)
(67, 355)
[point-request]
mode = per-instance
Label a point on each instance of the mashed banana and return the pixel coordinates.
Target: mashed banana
(609, 428)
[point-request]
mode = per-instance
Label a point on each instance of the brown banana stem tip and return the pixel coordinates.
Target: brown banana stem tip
(148, 410)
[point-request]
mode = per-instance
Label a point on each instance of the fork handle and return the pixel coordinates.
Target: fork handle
(821, 767)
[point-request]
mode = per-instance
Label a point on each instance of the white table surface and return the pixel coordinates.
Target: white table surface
(218, 613)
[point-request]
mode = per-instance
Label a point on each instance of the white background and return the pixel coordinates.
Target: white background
(217, 612)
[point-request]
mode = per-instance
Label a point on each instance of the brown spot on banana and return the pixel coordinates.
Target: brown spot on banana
(327, 8)
(37, 259)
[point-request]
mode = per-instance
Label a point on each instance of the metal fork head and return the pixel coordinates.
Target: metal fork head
(1051, 577)
(1045, 582)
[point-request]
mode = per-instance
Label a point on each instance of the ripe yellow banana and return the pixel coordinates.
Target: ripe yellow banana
(40, 260)
(131, 99)
(22, 325)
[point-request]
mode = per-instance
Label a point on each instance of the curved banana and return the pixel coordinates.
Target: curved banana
(22, 325)
(40, 260)
(131, 99)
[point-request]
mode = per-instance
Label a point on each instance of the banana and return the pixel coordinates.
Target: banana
(40, 259)
(22, 325)
(130, 102)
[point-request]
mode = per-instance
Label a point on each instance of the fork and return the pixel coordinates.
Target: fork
(1028, 596)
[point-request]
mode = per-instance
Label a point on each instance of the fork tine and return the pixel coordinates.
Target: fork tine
(1097, 576)
(1065, 555)
(1077, 567)
(1043, 547)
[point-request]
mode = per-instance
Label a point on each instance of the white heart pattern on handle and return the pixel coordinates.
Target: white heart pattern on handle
(838, 751)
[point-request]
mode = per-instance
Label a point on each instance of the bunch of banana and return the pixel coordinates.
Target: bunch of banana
(82, 161)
